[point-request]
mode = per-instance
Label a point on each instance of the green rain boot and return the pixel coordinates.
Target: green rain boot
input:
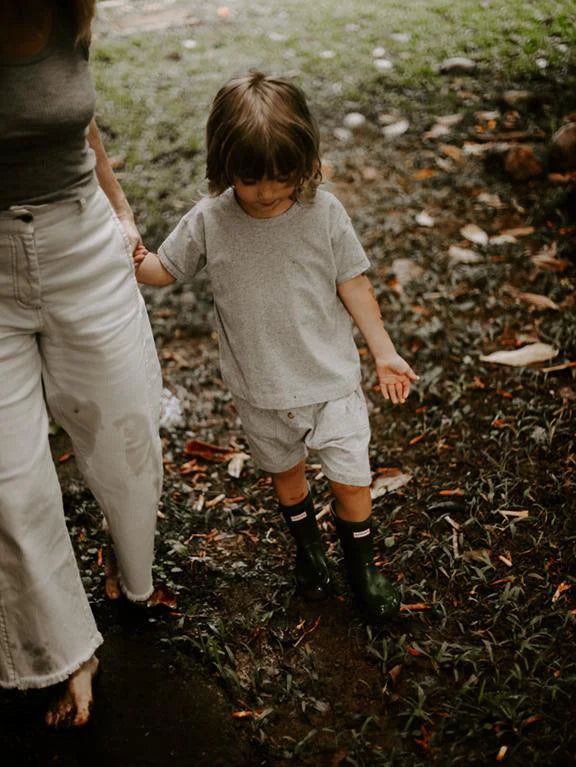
(311, 570)
(377, 597)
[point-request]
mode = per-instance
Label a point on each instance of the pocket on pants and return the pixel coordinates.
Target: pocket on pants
(120, 229)
(256, 421)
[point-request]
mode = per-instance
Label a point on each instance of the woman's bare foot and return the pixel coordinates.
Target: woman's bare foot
(73, 707)
(111, 575)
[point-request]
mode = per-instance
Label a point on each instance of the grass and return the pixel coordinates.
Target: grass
(154, 94)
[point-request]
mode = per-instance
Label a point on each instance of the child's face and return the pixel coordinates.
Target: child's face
(265, 198)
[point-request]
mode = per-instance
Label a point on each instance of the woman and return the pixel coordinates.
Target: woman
(73, 333)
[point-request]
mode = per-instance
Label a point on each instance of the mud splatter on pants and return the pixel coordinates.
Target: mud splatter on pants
(73, 333)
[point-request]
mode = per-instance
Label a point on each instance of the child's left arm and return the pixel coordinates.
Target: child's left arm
(394, 373)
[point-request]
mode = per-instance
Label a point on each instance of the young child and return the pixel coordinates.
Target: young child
(287, 275)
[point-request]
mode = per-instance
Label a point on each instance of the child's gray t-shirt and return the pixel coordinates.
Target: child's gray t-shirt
(285, 336)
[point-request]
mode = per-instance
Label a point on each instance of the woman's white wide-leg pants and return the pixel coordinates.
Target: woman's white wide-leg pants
(73, 333)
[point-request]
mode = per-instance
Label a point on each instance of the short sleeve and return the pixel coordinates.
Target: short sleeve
(183, 252)
(349, 256)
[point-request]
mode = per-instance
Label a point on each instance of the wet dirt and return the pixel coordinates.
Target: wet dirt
(150, 710)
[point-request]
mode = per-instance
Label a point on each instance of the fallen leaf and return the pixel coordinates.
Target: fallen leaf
(457, 65)
(384, 65)
(521, 163)
(414, 651)
(369, 173)
(540, 302)
(560, 590)
(519, 231)
(464, 255)
(405, 270)
(424, 219)
(236, 464)
(353, 120)
(450, 119)
(474, 234)
(547, 260)
(563, 366)
(215, 501)
(502, 239)
(531, 720)
(388, 484)
(527, 355)
(437, 131)
(457, 491)
(395, 672)
(424, 173)
(521, 514)
(395, 129)
(491, 200)
(164, 596)
(207, 451)
(454, 152)
(415, 607)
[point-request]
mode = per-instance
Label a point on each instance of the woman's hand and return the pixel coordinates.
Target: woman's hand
(131, 231)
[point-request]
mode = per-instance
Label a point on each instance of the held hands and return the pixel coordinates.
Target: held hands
(138, 249)
(395, 376)
(139, 255)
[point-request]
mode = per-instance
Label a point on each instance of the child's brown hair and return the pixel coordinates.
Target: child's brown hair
(260, 126)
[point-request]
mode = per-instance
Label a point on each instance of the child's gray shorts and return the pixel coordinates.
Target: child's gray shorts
(338, 431)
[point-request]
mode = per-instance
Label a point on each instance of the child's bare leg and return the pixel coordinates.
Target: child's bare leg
(311, 569)
(73, 707)
(353, 504)
(291, 486)
(377, 597)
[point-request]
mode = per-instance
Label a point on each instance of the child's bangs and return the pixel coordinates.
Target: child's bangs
(251, 160)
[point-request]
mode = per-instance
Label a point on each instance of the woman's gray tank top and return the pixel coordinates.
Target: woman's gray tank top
(46, 104)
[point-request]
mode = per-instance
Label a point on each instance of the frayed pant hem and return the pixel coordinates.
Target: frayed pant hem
(56, 678)
(136, 597)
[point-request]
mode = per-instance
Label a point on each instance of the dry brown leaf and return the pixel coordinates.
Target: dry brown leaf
(527, 355)
(436, 131)
(547, 259)
(464, 255)
(540, 302)
(395, 129)
(521, 514)
(560, 590)
(424, 173)
(563, 366)
(519, 231)
(207, 451)
(388, 484)
(454, 152)
(236, 464)
(473, 233)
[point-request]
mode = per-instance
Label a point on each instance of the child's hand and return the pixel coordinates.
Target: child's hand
(395, 376)
(139, 255)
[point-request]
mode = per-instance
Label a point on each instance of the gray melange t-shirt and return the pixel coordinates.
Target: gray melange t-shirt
(285, 337)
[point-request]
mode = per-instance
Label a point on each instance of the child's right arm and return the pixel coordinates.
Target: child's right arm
(149, 269)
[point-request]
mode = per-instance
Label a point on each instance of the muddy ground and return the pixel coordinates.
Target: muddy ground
(473, 478)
